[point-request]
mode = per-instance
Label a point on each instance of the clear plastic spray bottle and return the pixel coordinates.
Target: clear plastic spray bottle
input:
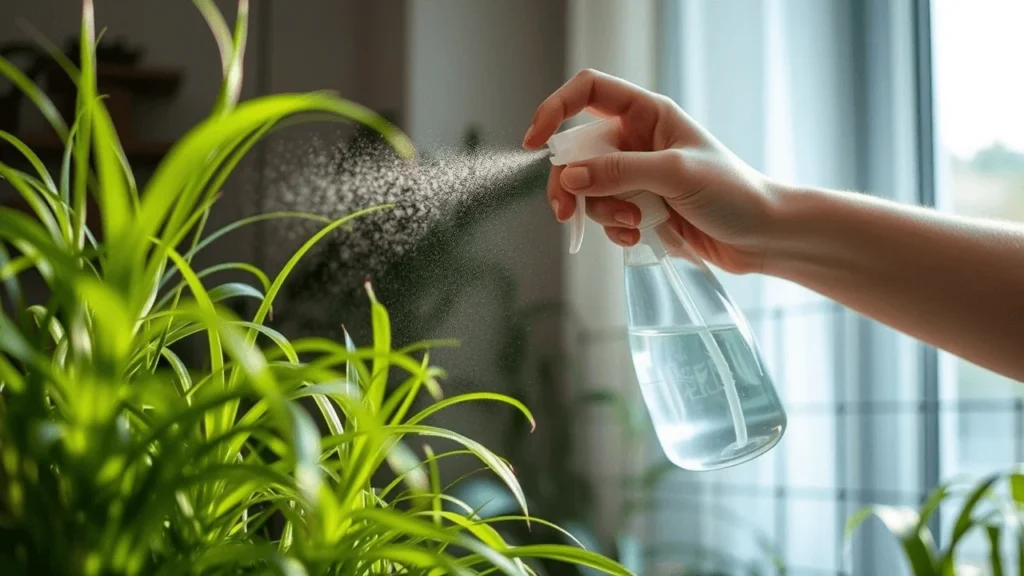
(700, 373)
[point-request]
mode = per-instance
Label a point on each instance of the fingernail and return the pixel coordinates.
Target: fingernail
(529, 132)
(555, 206)
(626, 236)
(626, 217)
(576, 178)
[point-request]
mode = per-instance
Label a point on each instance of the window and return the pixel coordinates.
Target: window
(835, 94)
(977, 52)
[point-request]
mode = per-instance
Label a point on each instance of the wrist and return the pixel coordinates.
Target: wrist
(797, 222)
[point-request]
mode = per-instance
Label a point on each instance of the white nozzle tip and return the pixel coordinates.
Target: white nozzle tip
(576, 224)
(584, 142)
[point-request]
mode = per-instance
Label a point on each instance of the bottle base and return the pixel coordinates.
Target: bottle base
(731, 455)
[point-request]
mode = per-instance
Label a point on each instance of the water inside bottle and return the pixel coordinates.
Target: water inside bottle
(688, 396)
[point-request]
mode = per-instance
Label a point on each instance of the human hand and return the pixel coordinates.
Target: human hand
(720, 206)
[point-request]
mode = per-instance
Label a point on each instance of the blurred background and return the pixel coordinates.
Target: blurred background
(917, 101)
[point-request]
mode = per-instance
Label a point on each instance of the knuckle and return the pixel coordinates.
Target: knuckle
(615, 167)
(676, 161)
(664, 102)
(586, 74)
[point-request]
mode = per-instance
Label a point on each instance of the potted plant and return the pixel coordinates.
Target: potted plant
(118, 458)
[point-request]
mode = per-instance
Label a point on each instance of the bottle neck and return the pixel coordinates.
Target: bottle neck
(651, 248)
(660, 241)
(653, 211)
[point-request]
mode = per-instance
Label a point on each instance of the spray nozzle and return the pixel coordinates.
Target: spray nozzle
(589, 141)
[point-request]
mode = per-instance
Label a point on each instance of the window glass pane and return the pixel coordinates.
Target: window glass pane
(979, 105)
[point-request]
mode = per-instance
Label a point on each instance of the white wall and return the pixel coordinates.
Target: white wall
(485, 63)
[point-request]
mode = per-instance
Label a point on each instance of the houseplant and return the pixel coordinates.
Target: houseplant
(118, 458)
(991, 505)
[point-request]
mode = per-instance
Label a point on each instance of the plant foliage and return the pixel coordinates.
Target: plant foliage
(118, 458)
(985, 508)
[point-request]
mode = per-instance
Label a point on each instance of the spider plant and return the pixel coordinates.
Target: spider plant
(116, 457)
(985, 508)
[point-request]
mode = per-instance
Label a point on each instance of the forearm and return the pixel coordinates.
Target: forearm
(955, 283)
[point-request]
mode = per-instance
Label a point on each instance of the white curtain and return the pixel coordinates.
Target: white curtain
(615, 37)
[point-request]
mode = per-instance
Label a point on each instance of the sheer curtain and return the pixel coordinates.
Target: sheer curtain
(618, 38)
(817, 93)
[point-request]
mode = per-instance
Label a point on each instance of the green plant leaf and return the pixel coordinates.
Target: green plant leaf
(995, 556)
(59, 209)
(32, 158)
(306, 447)
(184, 379)
(225, 267)
(964, 520)
(45, 319)
(83, 108)
(278, 282)
(112, 321)
(381, 346)
(918, 545)
(435, 483)
(233, 290)
(34, 200)
(232, 87)
(473, 397)
(481, 530)
(542, 522)
(569, 555)
(1017, 488)
(418, 557)
(172, 175)
(219, 27)
(415, 527)
(36, 96)
(429, 460)
(931, 505)
(497, 465)
(228, 228)
(9, 270)
(404, 462)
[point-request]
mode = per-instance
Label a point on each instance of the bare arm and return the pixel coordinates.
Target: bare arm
(953, 282)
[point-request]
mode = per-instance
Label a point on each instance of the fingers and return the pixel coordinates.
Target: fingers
(624, 237)
(663, 173)
(563, 204)
(601, 93)
(611, 212)
(605, 211)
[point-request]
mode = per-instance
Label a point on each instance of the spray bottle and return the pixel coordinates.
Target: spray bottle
(700, 372)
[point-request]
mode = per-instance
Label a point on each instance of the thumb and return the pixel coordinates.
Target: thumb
(659, 172)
